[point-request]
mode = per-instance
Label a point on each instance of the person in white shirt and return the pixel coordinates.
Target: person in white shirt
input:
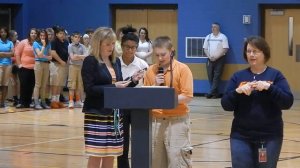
(144, 50)
(130, 64)
(215, 47)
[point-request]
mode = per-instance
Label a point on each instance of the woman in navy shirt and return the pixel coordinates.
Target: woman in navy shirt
(257, 95)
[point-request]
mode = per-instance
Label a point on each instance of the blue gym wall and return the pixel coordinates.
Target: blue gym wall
(194, 19)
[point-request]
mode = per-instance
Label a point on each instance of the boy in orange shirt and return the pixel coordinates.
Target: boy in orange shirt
(171, 127)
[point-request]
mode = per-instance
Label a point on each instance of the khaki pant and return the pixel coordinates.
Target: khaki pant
(41, 74)
(5, 73)
(75, 79)
(171, 142)
(58, 74)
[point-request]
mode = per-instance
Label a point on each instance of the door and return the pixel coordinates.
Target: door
(282, 28)
(159, 22)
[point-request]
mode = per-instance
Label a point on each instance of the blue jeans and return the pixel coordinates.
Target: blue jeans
(244, 153)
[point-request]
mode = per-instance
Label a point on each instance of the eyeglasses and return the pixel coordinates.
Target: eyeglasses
(254, 52)
(127, 47)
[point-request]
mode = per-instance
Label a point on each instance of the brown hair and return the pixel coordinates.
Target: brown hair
(260, 43)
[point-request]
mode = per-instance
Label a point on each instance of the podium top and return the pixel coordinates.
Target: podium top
(140, 98)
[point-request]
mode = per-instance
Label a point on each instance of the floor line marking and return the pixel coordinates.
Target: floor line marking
(37, 143)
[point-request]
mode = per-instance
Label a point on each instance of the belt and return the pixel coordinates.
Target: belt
(42, 61)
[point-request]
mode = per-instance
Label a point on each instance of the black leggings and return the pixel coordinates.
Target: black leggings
(27, 81)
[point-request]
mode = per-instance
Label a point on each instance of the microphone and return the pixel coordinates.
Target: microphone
(161, 70)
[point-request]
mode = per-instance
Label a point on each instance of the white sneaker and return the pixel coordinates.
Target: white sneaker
(71, 104)
(78, 104)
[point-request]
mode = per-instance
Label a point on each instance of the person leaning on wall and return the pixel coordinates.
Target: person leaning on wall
(215, 47)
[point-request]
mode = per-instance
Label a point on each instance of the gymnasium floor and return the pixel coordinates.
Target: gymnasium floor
(54, 138)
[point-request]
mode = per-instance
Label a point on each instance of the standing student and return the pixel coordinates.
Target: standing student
(58, 70)
(41, 49)
(171, 127)
(77, 54)
(102, 128)
(25, 60)
(130, 64)
(13, 37)
(257, 95)
(215, 47)
(6, 52)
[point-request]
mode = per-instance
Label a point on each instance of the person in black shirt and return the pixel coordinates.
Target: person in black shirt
(58, 70)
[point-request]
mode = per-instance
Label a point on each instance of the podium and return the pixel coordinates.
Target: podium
(140, 101)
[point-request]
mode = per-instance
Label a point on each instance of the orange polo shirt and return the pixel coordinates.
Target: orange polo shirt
(182, 83)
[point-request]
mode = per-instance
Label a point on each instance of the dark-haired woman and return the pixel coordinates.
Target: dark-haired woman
(144, 50)
(25, 62)
(257, 95)
(6, 52)
(42, 55)
(130, 64)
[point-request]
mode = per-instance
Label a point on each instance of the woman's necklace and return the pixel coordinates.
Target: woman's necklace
(255, 74)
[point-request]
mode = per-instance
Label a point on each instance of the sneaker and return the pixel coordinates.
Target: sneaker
(22, 106)
(32, 105)
(78, 104)
(71, 104)
(48, 101)
(16, 102)
(38, 107)
(54, 105)
(62, 98)
(45, 105)
(2, 105)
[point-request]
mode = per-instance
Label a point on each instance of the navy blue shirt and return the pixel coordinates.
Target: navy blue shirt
(259, 115)
(96, 77)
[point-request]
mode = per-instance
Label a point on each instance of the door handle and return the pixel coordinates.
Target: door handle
(290, 36)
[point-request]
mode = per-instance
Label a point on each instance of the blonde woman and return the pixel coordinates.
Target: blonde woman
(103, 135)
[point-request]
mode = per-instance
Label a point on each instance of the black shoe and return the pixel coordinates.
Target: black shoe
(2, 105)
(212, 96)
(22, 106)
(48, 102)
(45, 105)
(209, 96)
(62, 98)
(16, 100)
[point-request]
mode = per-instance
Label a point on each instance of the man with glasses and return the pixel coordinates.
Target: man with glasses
(215, 47)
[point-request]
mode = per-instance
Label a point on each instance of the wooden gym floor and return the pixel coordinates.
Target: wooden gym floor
(54, 138)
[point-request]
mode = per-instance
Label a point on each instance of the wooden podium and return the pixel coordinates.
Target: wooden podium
(140, 101)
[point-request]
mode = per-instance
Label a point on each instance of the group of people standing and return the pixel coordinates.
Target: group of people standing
(257, 95)
(40, 65)
(104, 135)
